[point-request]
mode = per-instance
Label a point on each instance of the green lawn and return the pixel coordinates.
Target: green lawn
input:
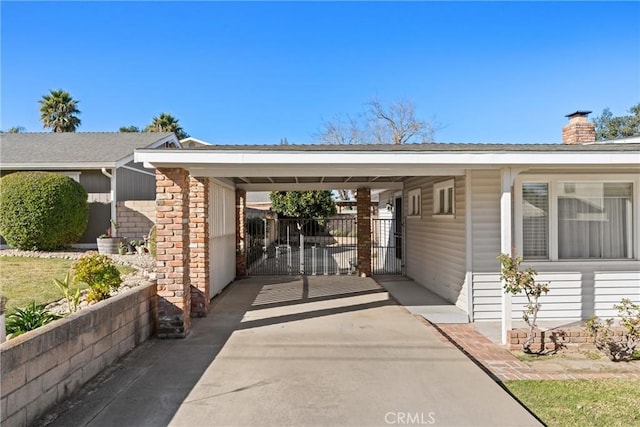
(577, 403)
(23, 279)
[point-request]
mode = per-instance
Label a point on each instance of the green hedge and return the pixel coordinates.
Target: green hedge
(42, 210)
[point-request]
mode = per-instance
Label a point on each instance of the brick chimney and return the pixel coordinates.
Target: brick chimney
(578, 130)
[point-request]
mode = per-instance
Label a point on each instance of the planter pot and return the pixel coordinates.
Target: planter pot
(141, 250)
(122, 250)
(108, 245)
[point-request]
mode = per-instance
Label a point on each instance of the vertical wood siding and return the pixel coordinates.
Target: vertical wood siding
(222, 237)
(436, 246)
(134, 185)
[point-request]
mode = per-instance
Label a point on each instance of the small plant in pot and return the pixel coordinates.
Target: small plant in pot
(108, 243)
(141, 247)
(123, 248)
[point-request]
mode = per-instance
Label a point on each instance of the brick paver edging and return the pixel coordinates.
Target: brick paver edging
(497, 361)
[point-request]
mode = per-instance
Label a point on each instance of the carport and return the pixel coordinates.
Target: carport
(201, 203)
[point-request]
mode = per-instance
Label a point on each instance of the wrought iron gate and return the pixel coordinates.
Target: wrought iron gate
(314, 247)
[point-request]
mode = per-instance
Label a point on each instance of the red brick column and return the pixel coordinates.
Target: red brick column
(241, 235)
(199, 245)
(364, 231)
(172, 215)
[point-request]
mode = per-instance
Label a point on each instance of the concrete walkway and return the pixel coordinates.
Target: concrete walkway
(334, 351)
(421, 301)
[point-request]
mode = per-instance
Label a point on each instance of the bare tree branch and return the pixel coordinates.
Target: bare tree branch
(393, 124)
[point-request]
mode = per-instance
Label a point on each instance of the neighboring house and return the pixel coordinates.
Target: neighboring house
(572, 210)
(103, 163)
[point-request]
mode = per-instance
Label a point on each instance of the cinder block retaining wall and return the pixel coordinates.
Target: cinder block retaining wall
(135, 218)
(43, 367)
(555, 339)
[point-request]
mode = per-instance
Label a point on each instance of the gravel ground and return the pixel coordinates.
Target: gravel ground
(144, 265)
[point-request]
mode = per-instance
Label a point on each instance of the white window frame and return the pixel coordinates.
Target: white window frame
(414, 203)
(553, 181)
(443, 187)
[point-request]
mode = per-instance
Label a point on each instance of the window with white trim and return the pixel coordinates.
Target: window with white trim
(444, 202)
(415, 203)
(567, 219)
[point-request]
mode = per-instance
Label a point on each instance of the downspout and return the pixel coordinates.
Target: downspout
(112, 180)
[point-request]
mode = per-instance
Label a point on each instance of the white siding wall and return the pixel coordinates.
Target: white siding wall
(578, 290)
(436, 246)
(222, 236)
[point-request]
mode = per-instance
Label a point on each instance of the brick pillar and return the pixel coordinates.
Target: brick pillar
(172, 229)
(241, 234)
(199, 245)
(364, 231)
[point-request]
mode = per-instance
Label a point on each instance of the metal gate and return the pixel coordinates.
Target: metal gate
(316, 247)
(386, 246)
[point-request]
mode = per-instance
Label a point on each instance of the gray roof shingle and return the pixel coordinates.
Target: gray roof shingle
(454, 147)
(89, 149)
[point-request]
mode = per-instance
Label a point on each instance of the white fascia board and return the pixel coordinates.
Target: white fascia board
(124, 161)
(55, 166)
(321, 186)
(169, 138)
(201, 158)
(283, 170)
(192, 139)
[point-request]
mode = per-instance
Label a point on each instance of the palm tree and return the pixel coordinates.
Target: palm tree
(166, 123)
(59, 111)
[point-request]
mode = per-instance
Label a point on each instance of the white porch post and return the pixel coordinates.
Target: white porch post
(507, 177)
(114, 193)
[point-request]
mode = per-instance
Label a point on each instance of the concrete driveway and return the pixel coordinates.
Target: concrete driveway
(310, 351)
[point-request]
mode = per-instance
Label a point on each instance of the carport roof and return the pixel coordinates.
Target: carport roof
(291, 167)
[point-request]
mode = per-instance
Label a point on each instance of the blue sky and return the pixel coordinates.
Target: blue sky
(253, 73)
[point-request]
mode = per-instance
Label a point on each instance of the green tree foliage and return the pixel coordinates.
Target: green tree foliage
(303, 204)
(131, 128)
(100, 273)
(517, 281)
(15, 129)
(59, 111)
(610, 127)
(42, 210)
(166, 123)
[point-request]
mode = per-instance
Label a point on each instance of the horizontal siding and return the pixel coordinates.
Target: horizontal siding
(485, 205)
(577, 292)
(435, 247)
(610, 287)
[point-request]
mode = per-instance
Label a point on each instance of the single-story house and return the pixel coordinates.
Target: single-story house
(571, 209)
(118, 188)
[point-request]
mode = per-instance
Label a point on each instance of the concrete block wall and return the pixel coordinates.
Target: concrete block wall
(43, 367)
(135, 218)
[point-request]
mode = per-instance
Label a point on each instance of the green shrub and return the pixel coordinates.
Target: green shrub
(517, 281)
(100, 273)
(153, 242)
(42, 210)
(618, 347)
(29, 318)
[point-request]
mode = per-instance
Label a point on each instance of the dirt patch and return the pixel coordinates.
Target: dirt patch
(573, 360)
